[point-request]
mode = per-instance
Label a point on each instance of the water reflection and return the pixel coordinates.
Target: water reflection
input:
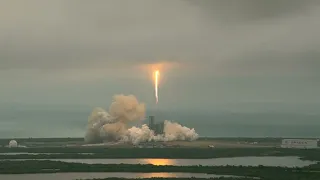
(288, 161)
(159, 162)
(158, 174)
(71, 176)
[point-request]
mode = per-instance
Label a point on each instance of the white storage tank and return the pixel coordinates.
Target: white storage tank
(13, 144)
(299, 143)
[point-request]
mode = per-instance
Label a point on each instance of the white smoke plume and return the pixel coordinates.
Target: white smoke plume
(112, 126)
(137, 135)
(174, 131)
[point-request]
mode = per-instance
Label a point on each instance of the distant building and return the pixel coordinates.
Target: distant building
(299, 143)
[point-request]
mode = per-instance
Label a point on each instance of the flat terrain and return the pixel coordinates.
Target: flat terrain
(200, 143)
(64, 148)
(204, 148)
(260, 172)
(221, 144)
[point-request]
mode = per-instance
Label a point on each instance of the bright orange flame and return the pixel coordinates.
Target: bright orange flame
(156, 84)
(153, 71)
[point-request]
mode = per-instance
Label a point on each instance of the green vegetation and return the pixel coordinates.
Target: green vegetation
(58, 146)
(220, 178)
(270, 173)
(243, 139)
(171, 153)
(40, 140)
(249, 139)
(44, 142)
(80, 139)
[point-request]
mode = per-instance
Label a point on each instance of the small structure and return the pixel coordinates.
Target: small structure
(299, 143)
(151, 122)
(156, 127)
(13, 144)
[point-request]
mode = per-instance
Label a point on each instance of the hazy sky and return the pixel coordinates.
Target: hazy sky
(224, 51)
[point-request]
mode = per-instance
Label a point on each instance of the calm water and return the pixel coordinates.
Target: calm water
(289, 161)
(72, 176)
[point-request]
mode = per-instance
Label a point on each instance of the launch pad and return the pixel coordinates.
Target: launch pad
(156, 127)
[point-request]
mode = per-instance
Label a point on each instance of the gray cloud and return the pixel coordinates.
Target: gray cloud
(271, 63)
(230, 54)
(76, 34)
(213, 36)
(234, 11)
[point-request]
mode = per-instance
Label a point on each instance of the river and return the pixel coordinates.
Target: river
(72, 176)
(287, 161)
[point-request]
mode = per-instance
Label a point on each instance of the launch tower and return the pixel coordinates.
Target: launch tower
(156, 127)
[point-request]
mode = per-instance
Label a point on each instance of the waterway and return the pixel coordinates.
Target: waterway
(72, 176)
(287, 161)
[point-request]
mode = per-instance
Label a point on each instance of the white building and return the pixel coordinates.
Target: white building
(299, 143)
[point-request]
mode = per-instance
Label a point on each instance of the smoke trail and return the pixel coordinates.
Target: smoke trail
(112, 127)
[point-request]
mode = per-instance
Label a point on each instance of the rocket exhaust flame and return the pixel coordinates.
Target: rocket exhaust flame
(156, 84)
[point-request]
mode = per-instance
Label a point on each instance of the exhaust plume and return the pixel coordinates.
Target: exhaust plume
(111, 126)
(174, 131)
(156, 84)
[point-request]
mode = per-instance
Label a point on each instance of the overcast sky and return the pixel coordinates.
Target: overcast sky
(219, 51)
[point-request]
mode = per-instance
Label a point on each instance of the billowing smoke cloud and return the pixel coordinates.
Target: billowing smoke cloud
(111, 126)
(174, 131)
